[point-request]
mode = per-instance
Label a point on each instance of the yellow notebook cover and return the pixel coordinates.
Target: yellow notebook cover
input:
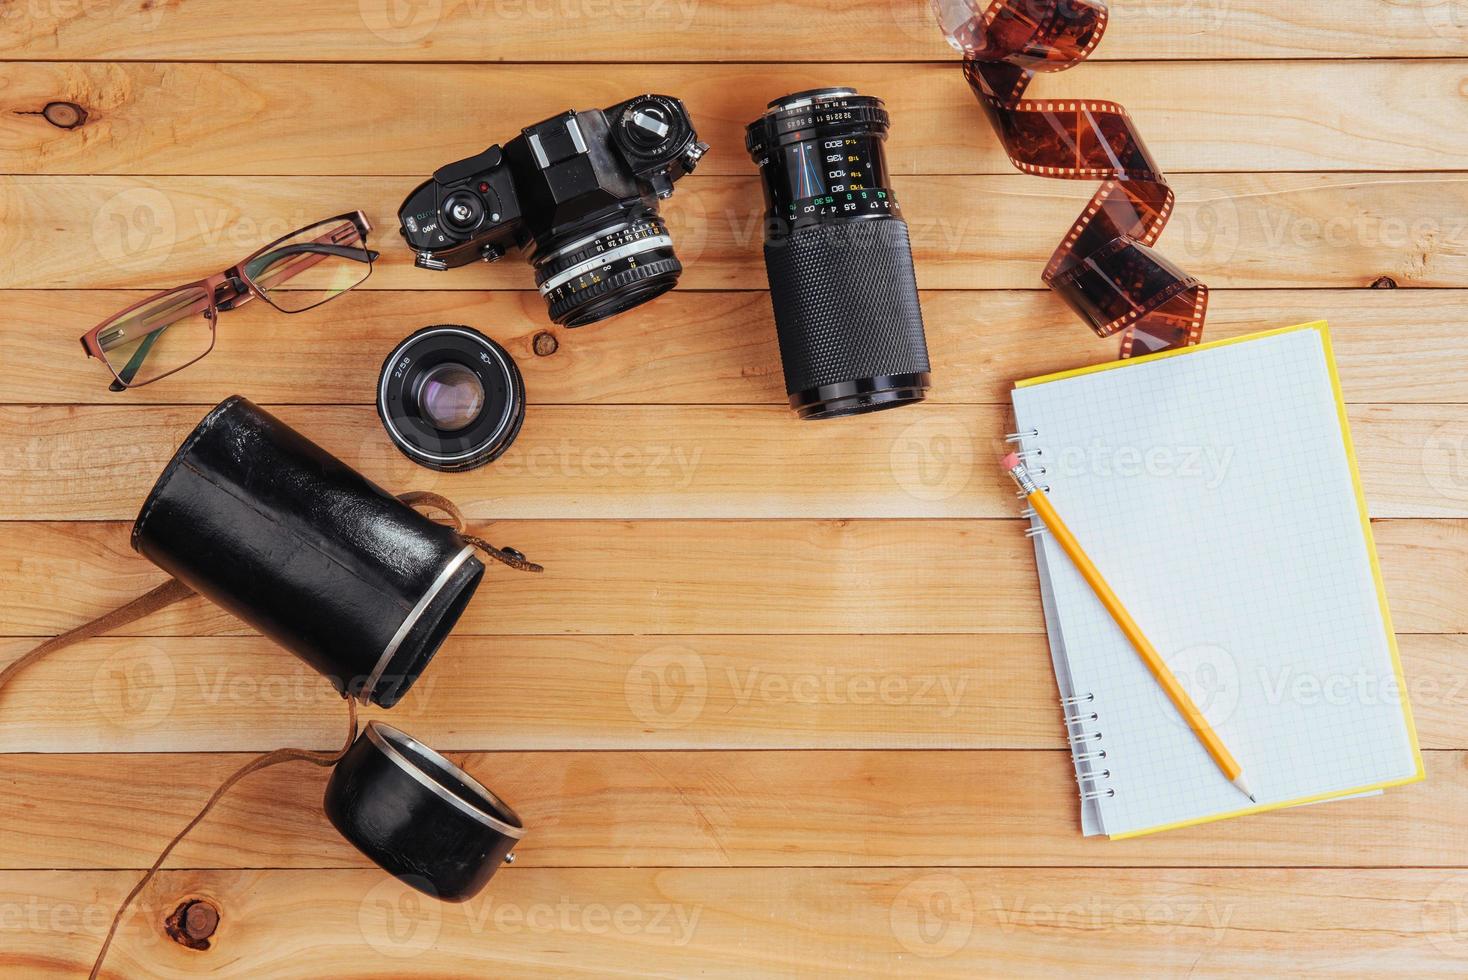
(1217, 489)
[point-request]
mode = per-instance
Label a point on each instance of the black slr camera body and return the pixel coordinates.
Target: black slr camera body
(579, 193)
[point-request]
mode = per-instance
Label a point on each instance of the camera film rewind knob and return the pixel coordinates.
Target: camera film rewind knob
(649, 125)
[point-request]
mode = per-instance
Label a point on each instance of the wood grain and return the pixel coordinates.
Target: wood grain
(872, 922)
(696, 348)
(407, 120)
(640, 31)
(658, 577)
(704, 809)
(968, 232)
(623, 694)
(781, 706)
(99, 463)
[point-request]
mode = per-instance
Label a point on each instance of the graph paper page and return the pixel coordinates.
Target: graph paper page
(1215, 491)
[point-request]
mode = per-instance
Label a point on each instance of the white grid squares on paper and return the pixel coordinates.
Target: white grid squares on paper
(1214, 492)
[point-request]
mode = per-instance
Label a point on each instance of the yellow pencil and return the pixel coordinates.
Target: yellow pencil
(1063, 536)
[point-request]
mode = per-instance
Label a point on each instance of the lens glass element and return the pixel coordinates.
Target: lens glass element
(450, 397)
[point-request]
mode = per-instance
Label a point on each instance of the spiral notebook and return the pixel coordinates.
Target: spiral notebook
(1216, 489)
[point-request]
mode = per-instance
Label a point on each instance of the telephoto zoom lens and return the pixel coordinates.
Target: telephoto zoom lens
(838, 256)
(450, 398)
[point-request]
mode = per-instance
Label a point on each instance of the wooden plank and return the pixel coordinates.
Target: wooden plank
(535, 693)
(408, 120)
(661, 577)
(221, 694)
(639, 31)
(704, 809)
(969, 232)
(874, 923)
(698, 348)
(99, 463)
(645, 577)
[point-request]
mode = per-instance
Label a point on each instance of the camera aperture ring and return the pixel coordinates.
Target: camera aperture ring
(615, 292)
(625, 238)
(618, 268)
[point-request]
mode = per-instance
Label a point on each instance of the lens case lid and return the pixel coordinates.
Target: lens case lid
(418, 816)
(401, 389)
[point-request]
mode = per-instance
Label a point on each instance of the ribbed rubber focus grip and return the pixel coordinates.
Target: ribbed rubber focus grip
(846, 303)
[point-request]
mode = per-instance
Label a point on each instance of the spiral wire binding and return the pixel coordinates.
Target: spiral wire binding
(1088, 777)
(1106, 268)
(1079, 710)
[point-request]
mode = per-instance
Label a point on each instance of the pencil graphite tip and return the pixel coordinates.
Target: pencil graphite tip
(1244, 788)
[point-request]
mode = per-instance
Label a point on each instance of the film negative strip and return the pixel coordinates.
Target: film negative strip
(1106, 269)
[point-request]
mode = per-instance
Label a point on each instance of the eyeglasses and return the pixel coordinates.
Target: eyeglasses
(171, 330)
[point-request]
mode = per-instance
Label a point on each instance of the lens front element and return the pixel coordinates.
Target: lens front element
(451, 396)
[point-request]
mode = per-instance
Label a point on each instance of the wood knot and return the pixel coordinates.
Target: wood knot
(545, 344)
(1385, 282)
(64, 115)
(192, 923)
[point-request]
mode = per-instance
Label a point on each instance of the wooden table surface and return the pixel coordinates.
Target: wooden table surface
(781, 704)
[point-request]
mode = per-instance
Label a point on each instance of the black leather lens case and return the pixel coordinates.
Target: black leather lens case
(259, 519)
(418, 816)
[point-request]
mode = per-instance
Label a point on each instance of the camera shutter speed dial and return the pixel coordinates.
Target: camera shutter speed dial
(466, 209)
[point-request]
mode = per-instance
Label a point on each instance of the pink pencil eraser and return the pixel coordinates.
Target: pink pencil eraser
(1010, 462)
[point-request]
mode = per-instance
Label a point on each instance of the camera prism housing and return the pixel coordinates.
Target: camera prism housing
(579, 193)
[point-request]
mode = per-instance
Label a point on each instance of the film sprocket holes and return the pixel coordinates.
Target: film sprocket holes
(579, 193)
(838, 256)
(450, 398)
(1106, 268)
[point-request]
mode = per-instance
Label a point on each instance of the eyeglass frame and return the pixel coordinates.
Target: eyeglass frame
(241, 289)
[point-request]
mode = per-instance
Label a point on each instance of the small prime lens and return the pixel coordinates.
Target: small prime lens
(450, 398)
(838, 256)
